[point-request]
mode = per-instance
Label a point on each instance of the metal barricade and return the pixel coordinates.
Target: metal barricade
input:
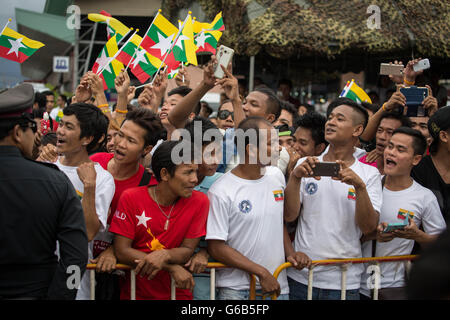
(92, 267)
(344, 263)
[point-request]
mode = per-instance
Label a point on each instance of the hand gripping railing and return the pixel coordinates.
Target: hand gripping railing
(344, 263)
(212, 265)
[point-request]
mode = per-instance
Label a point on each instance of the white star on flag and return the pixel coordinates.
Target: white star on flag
(201, 38)
(142, 219)
(140, 57)
(173, 72)
(163, 44)
(15, 46)
(180, 38)
(104, 61)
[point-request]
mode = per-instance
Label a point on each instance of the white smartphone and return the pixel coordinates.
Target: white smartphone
(224, 56)
(391, 69)
(421, 65)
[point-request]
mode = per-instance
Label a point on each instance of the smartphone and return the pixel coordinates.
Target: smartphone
(326, 169)
(421, 65)
(394, 226)
(414, 100)
(224, 56)
(391, 69)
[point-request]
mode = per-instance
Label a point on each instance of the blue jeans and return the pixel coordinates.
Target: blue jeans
(230, 294)
(202, 287)
(299, 291)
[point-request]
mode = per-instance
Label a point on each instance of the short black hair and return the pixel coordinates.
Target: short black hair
(370, 106)
(273, 102)
(48, 93)
(162, 158)
(419, 141)
(149, 121)
(289, 107)
(309, 108)
(315, 122)
(40, 99)
(404, 120)
(64, 97)
(352, 104)
(92, 122)
(205, 105)
(49, 138)
(181, 90)
(205, 125)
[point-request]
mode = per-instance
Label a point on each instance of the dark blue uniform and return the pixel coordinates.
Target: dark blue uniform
(38, 207)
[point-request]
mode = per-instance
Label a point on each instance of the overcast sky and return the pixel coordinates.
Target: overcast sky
(10, 70)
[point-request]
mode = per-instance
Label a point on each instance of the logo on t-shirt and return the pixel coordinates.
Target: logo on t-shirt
(79, 194)
(278, 195)
(245, 206)
(120, 215)
(403, 214)
(311, 188)
(351, 194)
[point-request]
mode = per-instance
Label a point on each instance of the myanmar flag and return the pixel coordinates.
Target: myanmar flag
(143, 65)
(111, 67)
(185, 48)
(278, 194)
(113, 26)
(173, 72)
(403, 214)
(16, 47)
(355, 93)
(207, 35)
(159, 37)
(351, 194)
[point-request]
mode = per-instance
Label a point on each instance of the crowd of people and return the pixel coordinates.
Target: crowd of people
(105, 186)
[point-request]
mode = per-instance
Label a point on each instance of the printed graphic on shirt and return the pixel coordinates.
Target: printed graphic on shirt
(403, 214)
(245, 206)
(79, 194)
(351, 194)
(278, 195)
(311, 188)
(154, 244)
(142, 219)
(120, 215)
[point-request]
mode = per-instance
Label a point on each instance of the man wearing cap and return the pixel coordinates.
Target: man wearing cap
(433, 172)
(39, 206)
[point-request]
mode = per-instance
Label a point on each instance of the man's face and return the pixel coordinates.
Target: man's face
(129, 143)
(284, 118)
(268, 151)
(184, 180)
(50, 102)
(384, 133)
(399, 155)
(110, 140)
(304, 143)
(68, 136)
(228, 122)
(421, 124)
(339, 126)
(168, 105)
(255, 104)
(286, 141)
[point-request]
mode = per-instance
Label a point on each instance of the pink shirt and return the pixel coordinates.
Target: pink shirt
(363, 160)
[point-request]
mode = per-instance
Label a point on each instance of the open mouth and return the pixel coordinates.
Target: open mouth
(163, 115)
(118, 154)
(390, 163)
(60, 142)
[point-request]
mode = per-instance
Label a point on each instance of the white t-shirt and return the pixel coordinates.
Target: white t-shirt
(421, 203)
(327, 228)
(357, 153)
(104, 192)
(248, 216)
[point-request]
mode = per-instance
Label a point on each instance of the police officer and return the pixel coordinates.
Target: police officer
(38, 207)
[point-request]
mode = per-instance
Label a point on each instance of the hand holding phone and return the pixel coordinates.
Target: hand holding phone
(394, 226)
(421, 65)
(224, 56)
(414, 100)
(326, 169)
(391, 69)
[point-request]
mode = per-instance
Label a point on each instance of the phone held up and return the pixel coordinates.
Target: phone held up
(414, 101)
(224, 56)
(326, 169)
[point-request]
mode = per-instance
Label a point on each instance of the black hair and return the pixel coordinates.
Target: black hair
(182, 91)
(92, 122)
(223, 102)
(149, 121)
(273, 103)
(283, 128)
(370, 106)
(405, 121)
(309, 108)
(315, 122)
(289, 107)
(48, 93)
(40, 99)
(205, 125)
(419, 142)
(49, 138)
(205, 105)
(64, 97)
(162, 158)
(352, 104)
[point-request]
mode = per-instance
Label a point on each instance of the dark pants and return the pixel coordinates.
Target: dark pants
(299, 291)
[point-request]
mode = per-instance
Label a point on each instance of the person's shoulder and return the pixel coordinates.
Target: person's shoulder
(198, 196)
(101, 157)
(422, 192)
(274, 172)
(134, 192)
(45, 168)
(367, 168)
(102, 172)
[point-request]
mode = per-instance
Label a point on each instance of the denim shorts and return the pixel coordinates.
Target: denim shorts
(231, 294)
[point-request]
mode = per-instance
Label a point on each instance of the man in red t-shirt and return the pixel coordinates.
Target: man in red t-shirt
(138, 134)
(158, 227)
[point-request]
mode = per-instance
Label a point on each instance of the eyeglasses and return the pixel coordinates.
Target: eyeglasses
(32, 125)
(223, 114)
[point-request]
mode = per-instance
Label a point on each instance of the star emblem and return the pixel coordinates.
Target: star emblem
(201, 38)
(173, 73)
(142, 219)
(104, 61)
(15, 46)
(140, 57)
(163, 44)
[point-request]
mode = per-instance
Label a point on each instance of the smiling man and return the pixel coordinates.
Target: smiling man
(407, 202)
(157, 228)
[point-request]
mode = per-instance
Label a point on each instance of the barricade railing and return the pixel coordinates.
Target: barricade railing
(344, 263)
(211, 265)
